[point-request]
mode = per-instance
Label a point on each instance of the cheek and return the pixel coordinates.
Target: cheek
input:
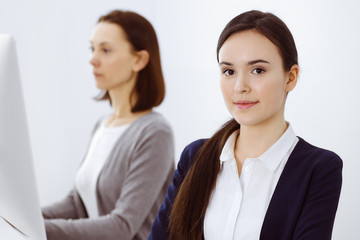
(226, 89)
(110, 64)
(117, 67)
(274, 93)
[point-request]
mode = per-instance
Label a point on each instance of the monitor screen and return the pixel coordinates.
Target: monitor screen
(19, 201)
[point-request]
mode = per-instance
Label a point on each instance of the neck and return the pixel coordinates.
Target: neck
(121, 104)
(253, 141)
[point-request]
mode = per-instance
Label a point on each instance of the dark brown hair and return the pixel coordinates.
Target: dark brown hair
(189, 208)
(150, 87)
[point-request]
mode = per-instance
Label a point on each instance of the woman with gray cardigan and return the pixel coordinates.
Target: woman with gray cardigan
(124, 176)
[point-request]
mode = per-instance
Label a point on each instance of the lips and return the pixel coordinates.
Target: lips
(97, 74)
(245, 104)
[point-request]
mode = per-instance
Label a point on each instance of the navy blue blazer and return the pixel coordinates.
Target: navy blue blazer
(304, 202)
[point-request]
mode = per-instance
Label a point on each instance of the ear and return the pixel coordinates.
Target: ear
(142, 59)
(293, 75)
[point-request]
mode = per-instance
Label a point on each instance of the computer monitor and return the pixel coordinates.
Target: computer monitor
(19, 201)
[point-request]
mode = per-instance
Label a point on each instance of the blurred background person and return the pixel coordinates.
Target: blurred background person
(123, 178)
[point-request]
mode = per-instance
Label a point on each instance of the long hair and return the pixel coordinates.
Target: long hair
(189, 208)
(150, 86)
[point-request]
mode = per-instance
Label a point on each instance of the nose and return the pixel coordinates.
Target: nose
(242, 84)
(94, 60)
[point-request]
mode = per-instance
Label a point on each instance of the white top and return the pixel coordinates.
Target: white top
(237, 207)
(86, 179)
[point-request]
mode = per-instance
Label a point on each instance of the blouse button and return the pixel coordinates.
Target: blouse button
(247, 169)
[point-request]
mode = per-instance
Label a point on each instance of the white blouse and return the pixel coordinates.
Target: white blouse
(101, 145)
(237, 207)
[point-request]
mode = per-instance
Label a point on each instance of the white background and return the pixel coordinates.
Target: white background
(53, 48)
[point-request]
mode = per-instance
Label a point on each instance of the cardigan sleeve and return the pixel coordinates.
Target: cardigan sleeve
(159, 230)
(150, 164)
(63, 209)
(318, 213)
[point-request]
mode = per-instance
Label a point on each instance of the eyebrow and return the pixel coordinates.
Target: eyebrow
(101, 44)
(249, 63)
(225, 63)
(257, 61)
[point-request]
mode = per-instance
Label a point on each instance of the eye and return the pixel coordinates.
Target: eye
(229, 72)
(106, 50)
(258, 71)
(91, 48)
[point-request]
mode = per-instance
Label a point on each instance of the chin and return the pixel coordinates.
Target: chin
(101, 87)
(247, 121)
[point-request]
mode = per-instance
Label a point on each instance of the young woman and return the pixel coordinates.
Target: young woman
(129, 164)
(254, 178)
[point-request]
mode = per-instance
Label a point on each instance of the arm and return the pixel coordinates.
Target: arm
(150, 164)
(64, 209)
(318, 213)
(159, 230)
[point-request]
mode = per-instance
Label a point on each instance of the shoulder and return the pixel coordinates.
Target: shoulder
(189, 154)
(314, 151)
(152, 122)
(150, 133)
(191, 149)
(315, 157)
(149, 127)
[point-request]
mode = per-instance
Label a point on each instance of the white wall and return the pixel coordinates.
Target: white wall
(53, 40)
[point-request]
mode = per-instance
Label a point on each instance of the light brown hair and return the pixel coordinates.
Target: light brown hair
(150, 86)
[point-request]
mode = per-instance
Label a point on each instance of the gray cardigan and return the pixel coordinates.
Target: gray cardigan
(130, 188)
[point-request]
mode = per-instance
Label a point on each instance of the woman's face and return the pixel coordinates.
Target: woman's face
(113, 58)
(253, 81)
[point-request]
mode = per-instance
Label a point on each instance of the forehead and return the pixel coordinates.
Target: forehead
(107, 32)
(249, 45)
